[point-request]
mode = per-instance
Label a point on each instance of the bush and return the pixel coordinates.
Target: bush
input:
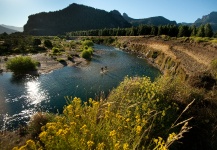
(86, 54)
(37, 121)
(36, 42)
(55, 50)
(21, 64)
(88, 43)
(48, 43)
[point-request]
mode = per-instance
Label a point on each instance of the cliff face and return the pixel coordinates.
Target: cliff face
(73, 18)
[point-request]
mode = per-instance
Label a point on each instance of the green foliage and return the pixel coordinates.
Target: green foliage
(208, 30)
(55, 51)
(169, 30)
(87, 43)
(87, 50)
(86, 54)
(184, 31)
(201, 32)
(21, 64)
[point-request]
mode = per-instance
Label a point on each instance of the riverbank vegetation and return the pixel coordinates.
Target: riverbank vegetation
(21, 64)
(87, 49)
(139, 114)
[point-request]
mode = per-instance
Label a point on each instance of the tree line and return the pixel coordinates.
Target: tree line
(170, 30)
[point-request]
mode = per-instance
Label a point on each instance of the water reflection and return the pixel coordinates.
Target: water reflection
(35, 94)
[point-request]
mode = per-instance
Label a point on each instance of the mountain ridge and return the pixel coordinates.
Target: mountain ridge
(156, 20)
(211, 18)
(75, 17)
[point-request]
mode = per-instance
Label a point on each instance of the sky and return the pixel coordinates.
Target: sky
(16, 12)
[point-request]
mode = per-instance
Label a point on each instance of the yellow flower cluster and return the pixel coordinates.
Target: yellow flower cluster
(123, 121)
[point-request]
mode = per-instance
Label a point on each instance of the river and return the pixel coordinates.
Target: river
(21, 97)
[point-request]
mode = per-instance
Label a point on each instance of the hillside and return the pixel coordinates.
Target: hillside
(17, 29)
(7, 30)
(210, 18)
(73, 18)
(158, 20)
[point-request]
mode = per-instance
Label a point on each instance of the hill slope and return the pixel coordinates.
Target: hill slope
(158, 20)
(7, 30)
(73, 18)
(17, 29)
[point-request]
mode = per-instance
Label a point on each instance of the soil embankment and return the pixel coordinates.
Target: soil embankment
(177, 56)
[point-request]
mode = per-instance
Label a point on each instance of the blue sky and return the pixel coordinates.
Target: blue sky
(16, 12)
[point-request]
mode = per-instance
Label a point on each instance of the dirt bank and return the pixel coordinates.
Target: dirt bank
(178, 56)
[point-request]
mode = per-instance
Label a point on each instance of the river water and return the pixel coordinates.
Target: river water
(20, 97)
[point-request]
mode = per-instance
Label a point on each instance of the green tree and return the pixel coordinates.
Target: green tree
(183, 31)
(201, 32)
(193, 30)
(154, 30)
(208, 30)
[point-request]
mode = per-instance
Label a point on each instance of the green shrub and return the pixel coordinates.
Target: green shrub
(21, 64)
(88, 43)
(86, 54)
(55, 50)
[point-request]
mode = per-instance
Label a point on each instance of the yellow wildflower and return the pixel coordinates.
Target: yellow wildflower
(138, 129)
(100, 146)
(117, 145)
(126, 146)
(112, 133)
(128, 119)
(90, 144)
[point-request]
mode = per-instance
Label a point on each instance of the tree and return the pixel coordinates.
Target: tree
(154, 30)
(208, 30)
(183, 31)
(193, 30)
(201, 32)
